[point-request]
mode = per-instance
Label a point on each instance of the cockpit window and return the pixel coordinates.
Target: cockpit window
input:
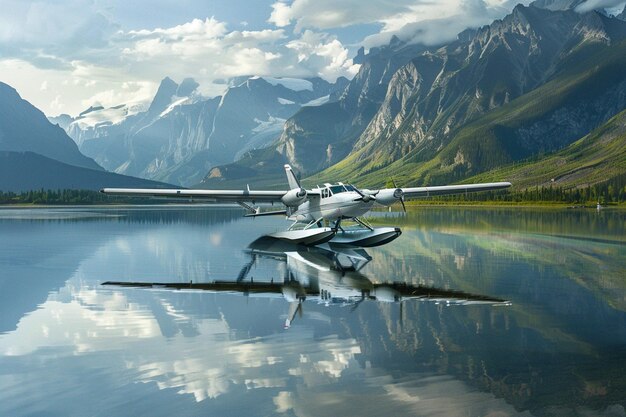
(336, 189)
(349, 187)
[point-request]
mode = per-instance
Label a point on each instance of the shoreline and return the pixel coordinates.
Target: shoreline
(409, 205)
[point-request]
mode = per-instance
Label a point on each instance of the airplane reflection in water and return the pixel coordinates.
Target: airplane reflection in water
(328, 275)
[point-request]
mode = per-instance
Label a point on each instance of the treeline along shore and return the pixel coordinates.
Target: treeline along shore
(612, 192)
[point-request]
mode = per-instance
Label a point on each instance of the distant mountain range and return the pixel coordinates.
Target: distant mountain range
(25, 171)
(181, 135)
(36, 154)
(522, 87)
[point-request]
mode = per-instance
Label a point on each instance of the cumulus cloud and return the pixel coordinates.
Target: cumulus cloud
(56, 103)
(322, 53)
(131, 92)
(422, 21)
(439, 27)
(207, 51)
(59, 31)
(197, 28)
(326, 14)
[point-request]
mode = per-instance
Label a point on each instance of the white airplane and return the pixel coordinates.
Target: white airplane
(310, 209)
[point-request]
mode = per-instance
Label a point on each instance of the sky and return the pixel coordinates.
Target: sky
(66, 55)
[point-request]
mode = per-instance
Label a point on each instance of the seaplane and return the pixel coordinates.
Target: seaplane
(326, 274)
(317, 213)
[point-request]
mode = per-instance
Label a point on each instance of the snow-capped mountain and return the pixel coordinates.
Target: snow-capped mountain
(180, 135)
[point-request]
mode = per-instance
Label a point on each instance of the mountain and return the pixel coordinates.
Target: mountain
(524, 86)
(598, 156)
(529, 84)
(36, 154)
(181, 135)
(318, 136)
(25, 171)
(62, 120)
(622, 15)
(24, 128)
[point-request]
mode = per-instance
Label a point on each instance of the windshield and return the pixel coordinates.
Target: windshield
(336, 189)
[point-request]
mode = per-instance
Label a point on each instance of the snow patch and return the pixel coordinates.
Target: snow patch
(318, 101)
(285, 101)
(177, 101)
(271, 124)
(295, 84)
(109, 116)
(264, 134)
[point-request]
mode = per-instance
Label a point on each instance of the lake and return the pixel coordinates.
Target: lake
(470, 312)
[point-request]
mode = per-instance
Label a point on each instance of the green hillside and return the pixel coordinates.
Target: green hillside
(599, 156)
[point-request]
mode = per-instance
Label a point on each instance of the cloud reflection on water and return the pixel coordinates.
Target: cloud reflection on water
(186, 353)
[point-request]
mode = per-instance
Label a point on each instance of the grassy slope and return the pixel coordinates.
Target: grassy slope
(599, 156)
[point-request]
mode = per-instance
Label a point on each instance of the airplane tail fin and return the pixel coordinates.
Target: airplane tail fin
(291, 178)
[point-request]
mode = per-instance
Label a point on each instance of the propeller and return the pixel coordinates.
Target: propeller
(364, 197)
(398, 194)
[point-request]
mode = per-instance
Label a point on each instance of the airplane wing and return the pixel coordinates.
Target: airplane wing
(388, 196)
(233, 196)
(417, 192)
(225, 196)
(209, 196)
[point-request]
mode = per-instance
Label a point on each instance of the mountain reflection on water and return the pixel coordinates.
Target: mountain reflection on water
(70, 346)
(328, 274)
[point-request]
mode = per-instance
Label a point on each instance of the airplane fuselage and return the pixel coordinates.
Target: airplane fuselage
(346, 204)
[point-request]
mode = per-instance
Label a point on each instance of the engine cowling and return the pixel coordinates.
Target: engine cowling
(294, 197)
(389, 196)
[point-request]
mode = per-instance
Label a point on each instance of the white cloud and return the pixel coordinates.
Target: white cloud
(417, 20)
(212, 54)
(323, 54)
(281, 15)
(132, 92)
(589, 5)
(197, 28)
(327, 14)
(433, 27)
(71, 91)
(56, 103)
(53, 30)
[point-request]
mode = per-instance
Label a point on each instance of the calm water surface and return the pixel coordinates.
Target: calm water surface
(524, 313)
